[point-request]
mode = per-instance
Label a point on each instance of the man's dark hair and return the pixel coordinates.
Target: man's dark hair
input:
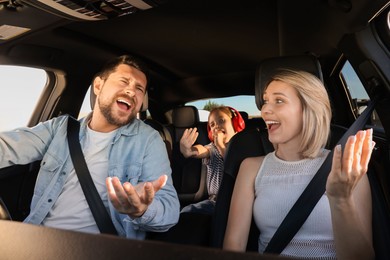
(112, 64)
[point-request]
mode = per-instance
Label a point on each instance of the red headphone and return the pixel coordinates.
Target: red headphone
(237, 120)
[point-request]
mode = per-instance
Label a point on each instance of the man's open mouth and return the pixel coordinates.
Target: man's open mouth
(124, 104)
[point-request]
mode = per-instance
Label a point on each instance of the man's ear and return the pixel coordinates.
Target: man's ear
(97, 85)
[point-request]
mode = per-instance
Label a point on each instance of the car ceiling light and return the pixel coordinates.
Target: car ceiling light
(388, 20)
(91, 10)
(12, 5)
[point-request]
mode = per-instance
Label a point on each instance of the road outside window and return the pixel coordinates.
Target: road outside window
(357, 92)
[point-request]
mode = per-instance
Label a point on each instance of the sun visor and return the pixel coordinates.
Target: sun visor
(92, 10)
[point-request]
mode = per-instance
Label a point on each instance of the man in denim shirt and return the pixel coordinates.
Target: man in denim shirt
(127, 160)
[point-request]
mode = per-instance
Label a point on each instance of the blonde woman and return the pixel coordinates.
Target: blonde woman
(297, 112)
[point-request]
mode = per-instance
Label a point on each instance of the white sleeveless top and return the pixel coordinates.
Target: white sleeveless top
(278, 185)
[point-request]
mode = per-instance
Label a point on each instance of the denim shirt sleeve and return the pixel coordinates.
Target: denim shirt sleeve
(147, 160)
(25, 145)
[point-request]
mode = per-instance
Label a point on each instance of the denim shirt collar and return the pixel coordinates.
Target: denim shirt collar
(126, 130)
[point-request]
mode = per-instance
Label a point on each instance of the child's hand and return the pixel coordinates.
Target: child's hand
(186, 142)
(219, 139)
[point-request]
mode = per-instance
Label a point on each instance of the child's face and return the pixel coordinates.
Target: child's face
(221, 124)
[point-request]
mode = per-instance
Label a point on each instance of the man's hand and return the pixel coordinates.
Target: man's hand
(133, 200)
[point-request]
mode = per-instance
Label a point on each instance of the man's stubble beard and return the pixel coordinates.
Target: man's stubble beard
(106, 110)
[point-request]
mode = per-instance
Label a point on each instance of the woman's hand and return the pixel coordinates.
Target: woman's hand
(349, 166)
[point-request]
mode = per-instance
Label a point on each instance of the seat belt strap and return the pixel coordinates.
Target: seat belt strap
(313, 192)
(99, 211)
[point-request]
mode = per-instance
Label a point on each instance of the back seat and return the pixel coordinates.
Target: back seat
(188, 174)
(189, 179)
(254, 122)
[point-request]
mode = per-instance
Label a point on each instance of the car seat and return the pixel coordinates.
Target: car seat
(189, 179)
(164, 133)
(188, 174)
(245, 116)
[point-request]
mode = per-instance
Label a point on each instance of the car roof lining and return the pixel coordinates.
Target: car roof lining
(266, 29)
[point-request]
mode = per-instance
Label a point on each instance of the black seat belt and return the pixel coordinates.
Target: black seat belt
(312, 193)
(99, 211)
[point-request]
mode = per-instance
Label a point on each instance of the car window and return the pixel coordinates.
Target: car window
(240, 103)
(23, 86)
(357, 91)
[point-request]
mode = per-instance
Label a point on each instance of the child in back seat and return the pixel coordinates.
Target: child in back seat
(223, 123)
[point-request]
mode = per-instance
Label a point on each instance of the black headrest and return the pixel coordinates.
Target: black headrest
(186, 116)
(92, 100)
(268, 67)
(244, 115)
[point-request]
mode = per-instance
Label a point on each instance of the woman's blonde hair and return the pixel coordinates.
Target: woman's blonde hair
(315, 106)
